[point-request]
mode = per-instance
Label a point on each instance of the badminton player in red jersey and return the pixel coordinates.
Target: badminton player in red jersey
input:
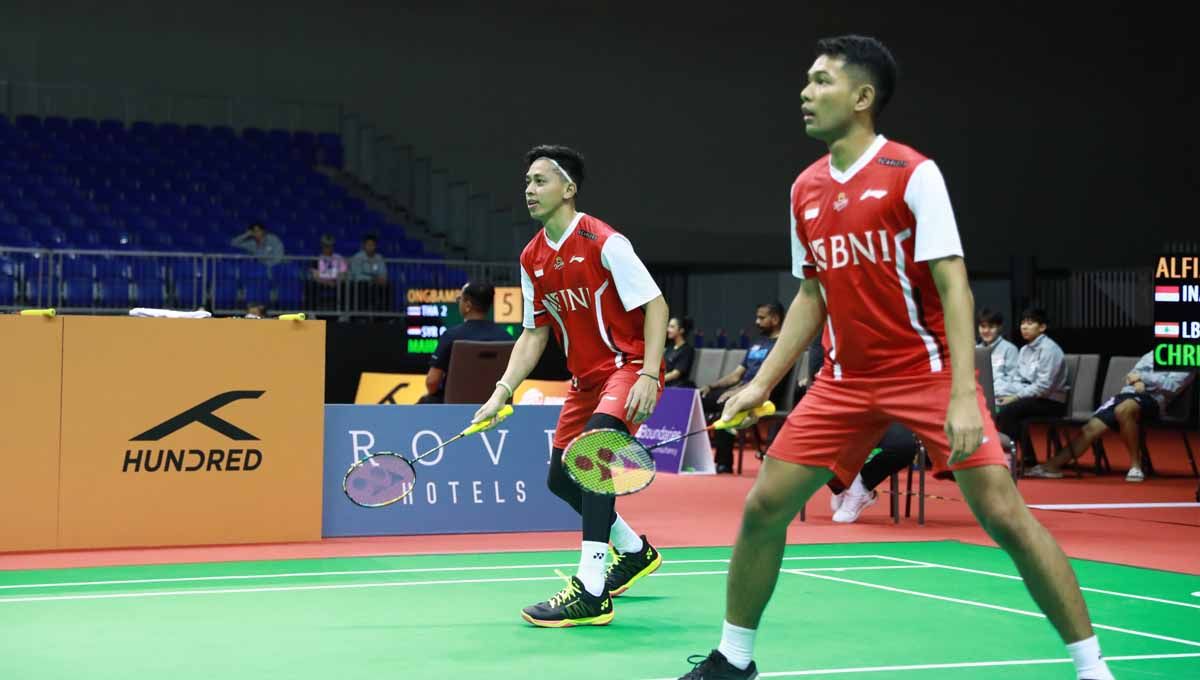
(875, 244)
(583, 283)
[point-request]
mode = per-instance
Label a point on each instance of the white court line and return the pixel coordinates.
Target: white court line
(1110, 506)
(364, 572)
(1010, 577)
(353, 586)
(985, 605)
(970, 664)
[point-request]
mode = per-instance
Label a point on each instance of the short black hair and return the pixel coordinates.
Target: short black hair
(570, 160)
(685, 325)
(991, 317)
(371, 237)
(774, 308)
(1036, 315)
(480, 295)
(869, 55)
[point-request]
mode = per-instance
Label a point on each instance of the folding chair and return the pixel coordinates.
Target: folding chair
(475, 367)
(1179, 416)
(983, 365)
(1080, 408)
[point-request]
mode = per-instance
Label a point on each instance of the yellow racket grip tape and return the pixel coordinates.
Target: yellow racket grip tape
(38, 312)
(293, 317)
(766, 409)
(494, 420)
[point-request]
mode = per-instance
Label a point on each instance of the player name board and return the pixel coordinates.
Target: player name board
(1177, 312)
(428, 312)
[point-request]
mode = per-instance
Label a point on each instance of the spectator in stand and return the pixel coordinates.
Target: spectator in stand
(680, 354)
(260, 243)
(368, 271)
(329, 270)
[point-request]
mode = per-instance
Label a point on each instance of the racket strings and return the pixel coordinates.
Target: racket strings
(609, 461)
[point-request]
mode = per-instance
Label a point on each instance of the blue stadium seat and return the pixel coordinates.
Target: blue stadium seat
(114, 292)
(112, 267)
(8, 290)
(257, 290)
(225, 294)
(77, 266)
(151, 292)
(79, 292)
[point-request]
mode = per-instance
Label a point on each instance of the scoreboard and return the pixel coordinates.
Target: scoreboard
(430, 311)
(1177, 312)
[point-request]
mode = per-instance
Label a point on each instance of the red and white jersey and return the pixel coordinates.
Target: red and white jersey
(589, 287)
(867, 234)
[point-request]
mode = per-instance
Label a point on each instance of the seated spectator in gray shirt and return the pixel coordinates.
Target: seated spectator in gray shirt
(1039, 387)
(367, 264)
(262, 244)
(1004, 353)
(1142, 400)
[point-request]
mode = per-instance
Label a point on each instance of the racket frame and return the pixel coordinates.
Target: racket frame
(370, 460)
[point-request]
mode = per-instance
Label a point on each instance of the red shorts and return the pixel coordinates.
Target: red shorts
(607, 397)
(839, 422)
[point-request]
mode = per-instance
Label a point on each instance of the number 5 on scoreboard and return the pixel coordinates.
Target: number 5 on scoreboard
(509, 307)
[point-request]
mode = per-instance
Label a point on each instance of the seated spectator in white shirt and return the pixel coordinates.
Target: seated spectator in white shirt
(329, 270)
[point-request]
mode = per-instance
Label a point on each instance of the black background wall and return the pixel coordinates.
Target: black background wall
(1063, 132)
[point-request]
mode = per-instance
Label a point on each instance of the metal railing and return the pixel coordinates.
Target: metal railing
(114, 281)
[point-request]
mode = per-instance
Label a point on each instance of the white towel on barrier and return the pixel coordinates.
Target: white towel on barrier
(169, 313)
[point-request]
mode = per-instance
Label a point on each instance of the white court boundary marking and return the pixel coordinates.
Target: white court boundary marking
(908, 563)
(361, 586)
(1010, 577)
(984, 605)
(374, 572)
(1110, 506)
(967, 664)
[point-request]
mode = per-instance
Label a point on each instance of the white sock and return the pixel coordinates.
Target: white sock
(857, 488)
(1089, 662)
(737, 645)
(624, 538)
(591, 566)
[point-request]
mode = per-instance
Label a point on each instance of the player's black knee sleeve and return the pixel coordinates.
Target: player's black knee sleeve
(560, 485)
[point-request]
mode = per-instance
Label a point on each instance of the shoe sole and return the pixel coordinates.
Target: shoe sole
(602, 620)
(650, 569)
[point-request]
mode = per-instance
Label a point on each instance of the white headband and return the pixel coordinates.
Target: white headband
(564, 173)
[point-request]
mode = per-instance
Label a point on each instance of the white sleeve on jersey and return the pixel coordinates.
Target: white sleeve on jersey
(634, 283)
(927, 198)
(799, 252)
(527, 295)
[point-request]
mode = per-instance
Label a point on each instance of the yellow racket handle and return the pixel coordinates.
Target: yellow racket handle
(766, 409)
(38, 312)
(494, 420)
(293, 317)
